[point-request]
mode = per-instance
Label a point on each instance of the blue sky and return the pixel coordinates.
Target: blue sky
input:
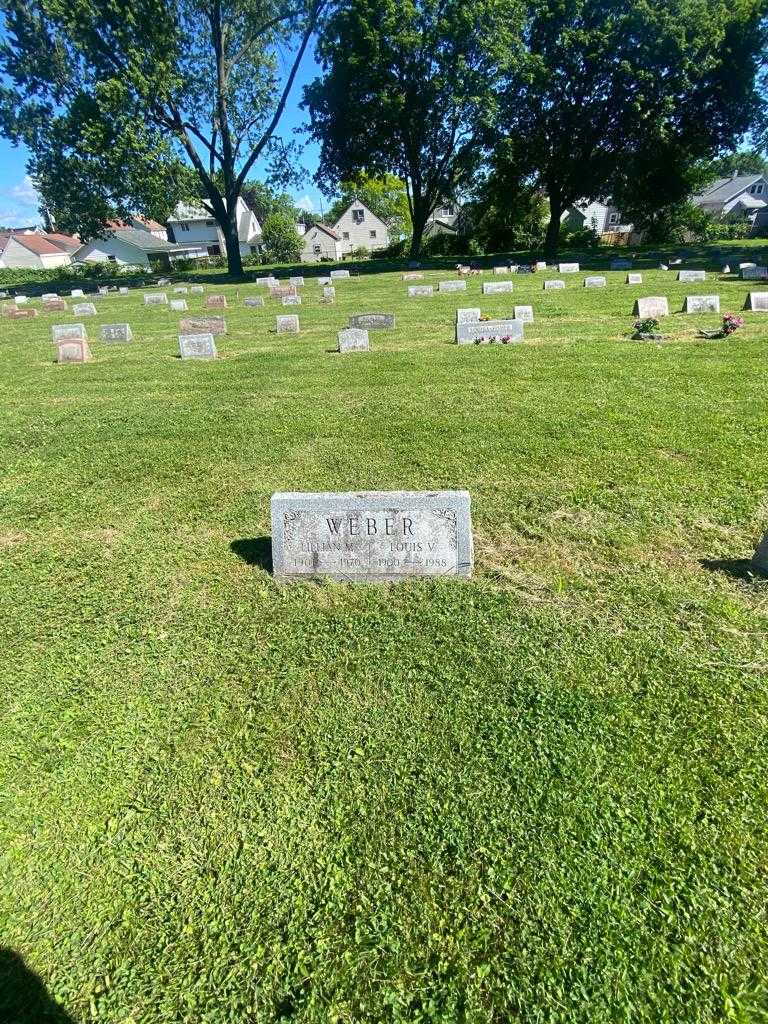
(18, 199)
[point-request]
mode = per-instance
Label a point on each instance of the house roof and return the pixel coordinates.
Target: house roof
(186, 211)
(724, 189)
(37, 244)
(146, 242)
(329, 231)
(358, 202)
(151, 225)
(66, 242)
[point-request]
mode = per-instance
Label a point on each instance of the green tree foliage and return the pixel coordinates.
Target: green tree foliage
(386, 196)
(280, 238)
(408, 88)
(126, 104)
(611, 91)
(743, 161)
(505, 212)
(265, 201)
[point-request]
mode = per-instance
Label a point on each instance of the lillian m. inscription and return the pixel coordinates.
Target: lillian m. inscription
(372, 536)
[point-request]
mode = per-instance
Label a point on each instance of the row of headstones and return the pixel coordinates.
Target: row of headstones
(658, 305)
(500, 287)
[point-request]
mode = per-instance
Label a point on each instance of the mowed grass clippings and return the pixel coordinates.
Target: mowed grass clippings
(539, 795)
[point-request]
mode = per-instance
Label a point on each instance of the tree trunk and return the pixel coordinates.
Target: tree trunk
(232, 243)
(552, 238)
(418, 223)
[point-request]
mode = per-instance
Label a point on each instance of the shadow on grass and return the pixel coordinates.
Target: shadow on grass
(23, 997)
(254, 551)
(736, 568)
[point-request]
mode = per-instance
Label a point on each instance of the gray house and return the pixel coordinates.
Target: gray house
(740, 197)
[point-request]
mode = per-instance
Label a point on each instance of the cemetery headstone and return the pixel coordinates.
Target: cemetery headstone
(103, 290)
(747, 266)
(84, 309)
(323, 281)
(54, 306)
(123, 290)
(329, 292)
(663, 266)
(181, 290)
(373, 321)
(21, 300)
(467, 316)
(595, 282)
(155, 299)
(339, 273)
(568, 268)
(634, 278)
(163, 281)
(651, 307)
(196, 289)
(371, 536)
(540, 265)
(757, 302)
(116, 333)
(524, 314)
(291, 300)
(197, 346)
(68, 332)
(501, 270)
(266, 282)
(485, 332)
(702, 304)
(254, 300)
(215, 302)
(47, 296)
(72, 351)
(691, 275)
(77, 293)
(420, 291)
(497, 287)
(452, 286)
(179, 305)
(353, 339)
(287, 324)
(214, 325)
(553, 284)
(754, 274)
(297, 282)
(413, 275)
(14, 312)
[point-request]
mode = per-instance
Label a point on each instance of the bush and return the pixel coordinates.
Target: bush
(451, 245)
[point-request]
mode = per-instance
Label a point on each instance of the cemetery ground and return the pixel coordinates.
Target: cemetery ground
(535, 795)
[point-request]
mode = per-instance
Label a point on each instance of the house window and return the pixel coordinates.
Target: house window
(358, 216)
(759, 189)
(346, 236)
(111, 259)
(317, 249)
(210, 223)
(613, 219)
(254, 249)
(184, 227)
(447, 211)
(214, 250)
(372, 234)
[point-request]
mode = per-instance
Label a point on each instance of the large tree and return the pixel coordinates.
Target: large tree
(408, 88)
(606, 84)
(123, 95)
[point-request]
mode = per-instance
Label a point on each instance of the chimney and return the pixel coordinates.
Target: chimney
(734, 175)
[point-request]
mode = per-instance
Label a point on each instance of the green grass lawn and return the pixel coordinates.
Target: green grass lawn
(538, 796)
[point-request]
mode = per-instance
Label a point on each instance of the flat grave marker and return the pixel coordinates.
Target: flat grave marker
(179, 305)
(54, 306)
(254, 300)
(84, 309)
(568, 268)
(291, 300)
(72, 351)
(754, 274)
(297, 282)
(420, 291)
(634, 278)
(497, 287)
(553, 284)
(14, 312)
(77, 293)
(373, 321)
(371, 536)
(338, 274)
(524, 314)
(155, 299)
(181, 290)
(452, 286)
(691, 275)
(214, 325)
(413, 275)
(21, 300)
(196, 289)
(122, 290)
(502, 270)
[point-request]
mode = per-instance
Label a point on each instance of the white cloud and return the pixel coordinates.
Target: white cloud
(305, 203)
(19, 204)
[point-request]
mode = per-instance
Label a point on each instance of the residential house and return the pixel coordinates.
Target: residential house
(739, 197)
(321, 243)
(195, 228)
(142, 224)
(360, 228)
(35, 250)
(132, 247)
(445, 219)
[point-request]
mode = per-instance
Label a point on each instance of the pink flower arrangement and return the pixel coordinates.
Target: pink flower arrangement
(731, 323)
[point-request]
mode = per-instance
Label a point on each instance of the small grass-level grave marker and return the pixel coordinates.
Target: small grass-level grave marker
(651, 307)
(691, 275)
(634, 278)
(371, 536)
(373, 321)
(84, 309)
(14, 312)
(595, 282)
(540, 265)
(155, 299)
(181, 290)
(215, 302)
(353, 339)
(451, 286)
(122, 290)
(179, 305)
(497, 287)
(197, 346)
(214, 325)
(253, 300)
(297, 282)
(524, 314)
(754, 273)
(77, 293)
(287, 324)
(553, 284)
(568, 268)
(413, 275)
(421, 291)
(116, 333)
(329, 292)
(54, 306)
(468, 316)
(339, 274)
(701, 304)
(291, 300)
(502, 270)
(68, 332)
(196, 289)
(21, 300)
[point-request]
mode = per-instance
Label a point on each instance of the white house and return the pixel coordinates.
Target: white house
(195, 228)
(142, 224)
(359, 228)
(740, 197)
(444, 219)
(35, 250)
(321, 243)
(132, 248)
